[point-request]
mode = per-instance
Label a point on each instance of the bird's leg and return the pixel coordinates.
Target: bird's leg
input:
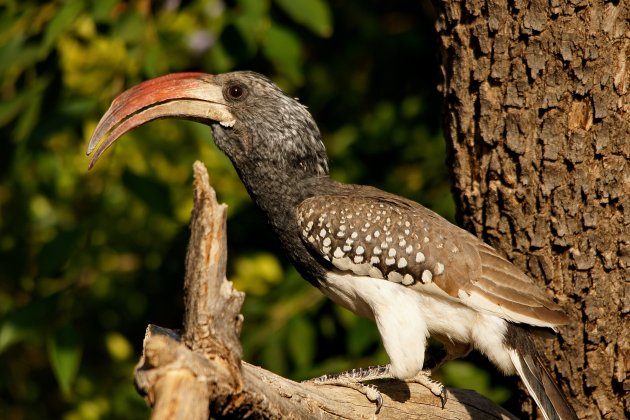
(450, 351)
(435, 358)
(353, 379)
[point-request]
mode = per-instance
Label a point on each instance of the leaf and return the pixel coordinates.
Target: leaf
(283, 49)
(102, 10)
(10, 108)
(57, 251)
(313, 14)
(273, 356)
(64, 18)
(301, 342)
(64, 352)
(463, 374)
(118, 346)
(362, 336)
(153, 193)
(252, 18)
(15, 106)
(27, 120)
(27, 322)
(131, 26)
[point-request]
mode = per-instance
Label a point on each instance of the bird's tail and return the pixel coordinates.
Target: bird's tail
(548, 396)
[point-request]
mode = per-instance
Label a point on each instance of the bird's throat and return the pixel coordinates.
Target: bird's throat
(277, 190)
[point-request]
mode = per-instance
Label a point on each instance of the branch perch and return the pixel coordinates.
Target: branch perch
(199, 373)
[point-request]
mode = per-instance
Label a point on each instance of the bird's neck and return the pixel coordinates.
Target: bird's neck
(278, 189)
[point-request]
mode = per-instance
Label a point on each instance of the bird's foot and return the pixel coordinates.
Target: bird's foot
(424, 378)
(353, 379)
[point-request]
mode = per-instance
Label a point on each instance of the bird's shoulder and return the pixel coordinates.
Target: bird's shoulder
(373, 233)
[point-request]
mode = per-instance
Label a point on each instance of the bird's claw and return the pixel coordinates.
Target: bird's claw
(434, 386)
(444, 396)
(370, 391)
(373, 394)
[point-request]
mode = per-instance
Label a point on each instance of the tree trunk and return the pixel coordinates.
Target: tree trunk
(536, 96)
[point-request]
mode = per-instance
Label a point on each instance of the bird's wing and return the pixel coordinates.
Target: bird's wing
(383, 236)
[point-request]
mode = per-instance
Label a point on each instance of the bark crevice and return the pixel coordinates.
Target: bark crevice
(537, 117)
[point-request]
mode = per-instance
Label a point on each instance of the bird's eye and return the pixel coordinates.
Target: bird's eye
(235, 92)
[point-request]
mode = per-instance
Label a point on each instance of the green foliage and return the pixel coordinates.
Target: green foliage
(313, 14)
(64, 347)
(88, 259)
(462, 374)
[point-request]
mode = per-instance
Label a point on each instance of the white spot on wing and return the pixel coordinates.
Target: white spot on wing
(338, 253)
(420, 257)
(439, 269)
(402, 263)
(395, 277)
(361, 269)
(342, 263)
(407, 279)
(426, 276)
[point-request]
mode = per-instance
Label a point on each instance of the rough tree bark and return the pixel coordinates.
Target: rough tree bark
(198, 374)
(536, 96)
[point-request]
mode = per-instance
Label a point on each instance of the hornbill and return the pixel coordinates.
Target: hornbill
(379, 255)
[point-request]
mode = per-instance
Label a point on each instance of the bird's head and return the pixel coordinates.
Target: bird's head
(253, 121)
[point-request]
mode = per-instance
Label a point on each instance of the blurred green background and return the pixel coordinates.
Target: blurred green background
(87, 260)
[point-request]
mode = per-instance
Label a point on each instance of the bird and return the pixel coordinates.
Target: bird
(382, 256)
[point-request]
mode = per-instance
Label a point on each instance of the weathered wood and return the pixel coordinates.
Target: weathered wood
(537, 116)
(212, 306)
(168, 376)
(200, 374)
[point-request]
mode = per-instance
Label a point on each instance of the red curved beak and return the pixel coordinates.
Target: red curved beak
(191, 96)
